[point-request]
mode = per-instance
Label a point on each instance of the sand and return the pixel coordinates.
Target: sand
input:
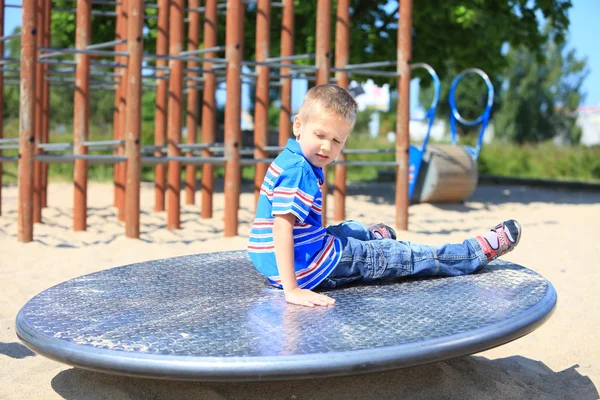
(560, 360)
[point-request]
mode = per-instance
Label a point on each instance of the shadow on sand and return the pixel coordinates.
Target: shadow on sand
(473, 377)
(15, 350)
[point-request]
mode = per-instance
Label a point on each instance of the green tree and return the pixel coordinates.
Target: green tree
(541, 98)
(454, 33)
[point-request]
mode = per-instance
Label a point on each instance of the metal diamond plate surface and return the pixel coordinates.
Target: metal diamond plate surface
(211, 316)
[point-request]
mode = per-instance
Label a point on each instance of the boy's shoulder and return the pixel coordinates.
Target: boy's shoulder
(287, 160)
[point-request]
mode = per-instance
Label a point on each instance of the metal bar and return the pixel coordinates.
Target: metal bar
(367, 72)
(55, 146)
(26, 126)
(349, 67)
(285, 93)
(4, 159)
(88, 158)
(135, 48)
(8, 37)
(342, 55)
(323, 75)
(191, 115)
(183, 58)
(112, 43)
(9, 140)
(176, 32)
(160, 114)
(8, 60)
(368, 163)
(234, 42)
(100, 143)
(8, 147)
(203, 51)
(261, 104)
(86, 51)
(294, 57)
(368, 151)
(184, 160)
(308, 68)
(403, 120)
(97, 64)
(209, 107)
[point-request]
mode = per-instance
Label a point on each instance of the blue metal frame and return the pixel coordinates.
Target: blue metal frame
(483, 119)
(415, 154)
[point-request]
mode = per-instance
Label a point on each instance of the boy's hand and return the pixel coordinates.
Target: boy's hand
(308, 298)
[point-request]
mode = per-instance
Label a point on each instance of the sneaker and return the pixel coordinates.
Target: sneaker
(382, 231)
(508, 234)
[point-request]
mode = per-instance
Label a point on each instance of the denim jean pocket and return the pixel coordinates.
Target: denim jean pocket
(391, 259)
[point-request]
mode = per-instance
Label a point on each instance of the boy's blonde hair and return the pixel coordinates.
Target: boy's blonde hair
(331, 99)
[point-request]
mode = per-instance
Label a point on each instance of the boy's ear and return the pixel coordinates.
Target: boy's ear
(297, 126)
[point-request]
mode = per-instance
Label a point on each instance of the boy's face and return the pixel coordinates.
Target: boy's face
(321, 137)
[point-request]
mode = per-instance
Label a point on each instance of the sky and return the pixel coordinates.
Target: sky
(583, 32)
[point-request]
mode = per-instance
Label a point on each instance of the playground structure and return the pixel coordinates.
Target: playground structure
(178, 73)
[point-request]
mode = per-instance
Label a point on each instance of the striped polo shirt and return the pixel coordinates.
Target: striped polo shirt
(293, 185)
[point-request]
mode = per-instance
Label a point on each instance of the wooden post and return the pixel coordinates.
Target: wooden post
(191, 114)
(39, 79)
(45, 103)
(81, 113)
(135, 47)
(287, 49)
(233, 42)
(209, 111)
(160, 115)
(261, 105)
(403, 136)
(342, 49)
(323, 63)
(26, 123)
(117, 108)
(176, 12)
(121, 168)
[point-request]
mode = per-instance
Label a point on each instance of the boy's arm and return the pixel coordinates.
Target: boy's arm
(283, 238)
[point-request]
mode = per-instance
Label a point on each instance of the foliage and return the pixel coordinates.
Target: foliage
(542, 97)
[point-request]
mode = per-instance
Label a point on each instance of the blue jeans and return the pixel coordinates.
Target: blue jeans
(366, 259)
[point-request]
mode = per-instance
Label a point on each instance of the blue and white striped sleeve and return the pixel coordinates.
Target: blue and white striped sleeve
(294, 192)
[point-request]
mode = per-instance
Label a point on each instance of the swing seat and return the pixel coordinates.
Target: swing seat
(211, 317)
(448, 174)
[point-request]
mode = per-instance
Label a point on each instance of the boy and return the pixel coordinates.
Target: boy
(291, 248)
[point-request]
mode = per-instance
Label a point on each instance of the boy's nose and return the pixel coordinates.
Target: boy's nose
(325, 146)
